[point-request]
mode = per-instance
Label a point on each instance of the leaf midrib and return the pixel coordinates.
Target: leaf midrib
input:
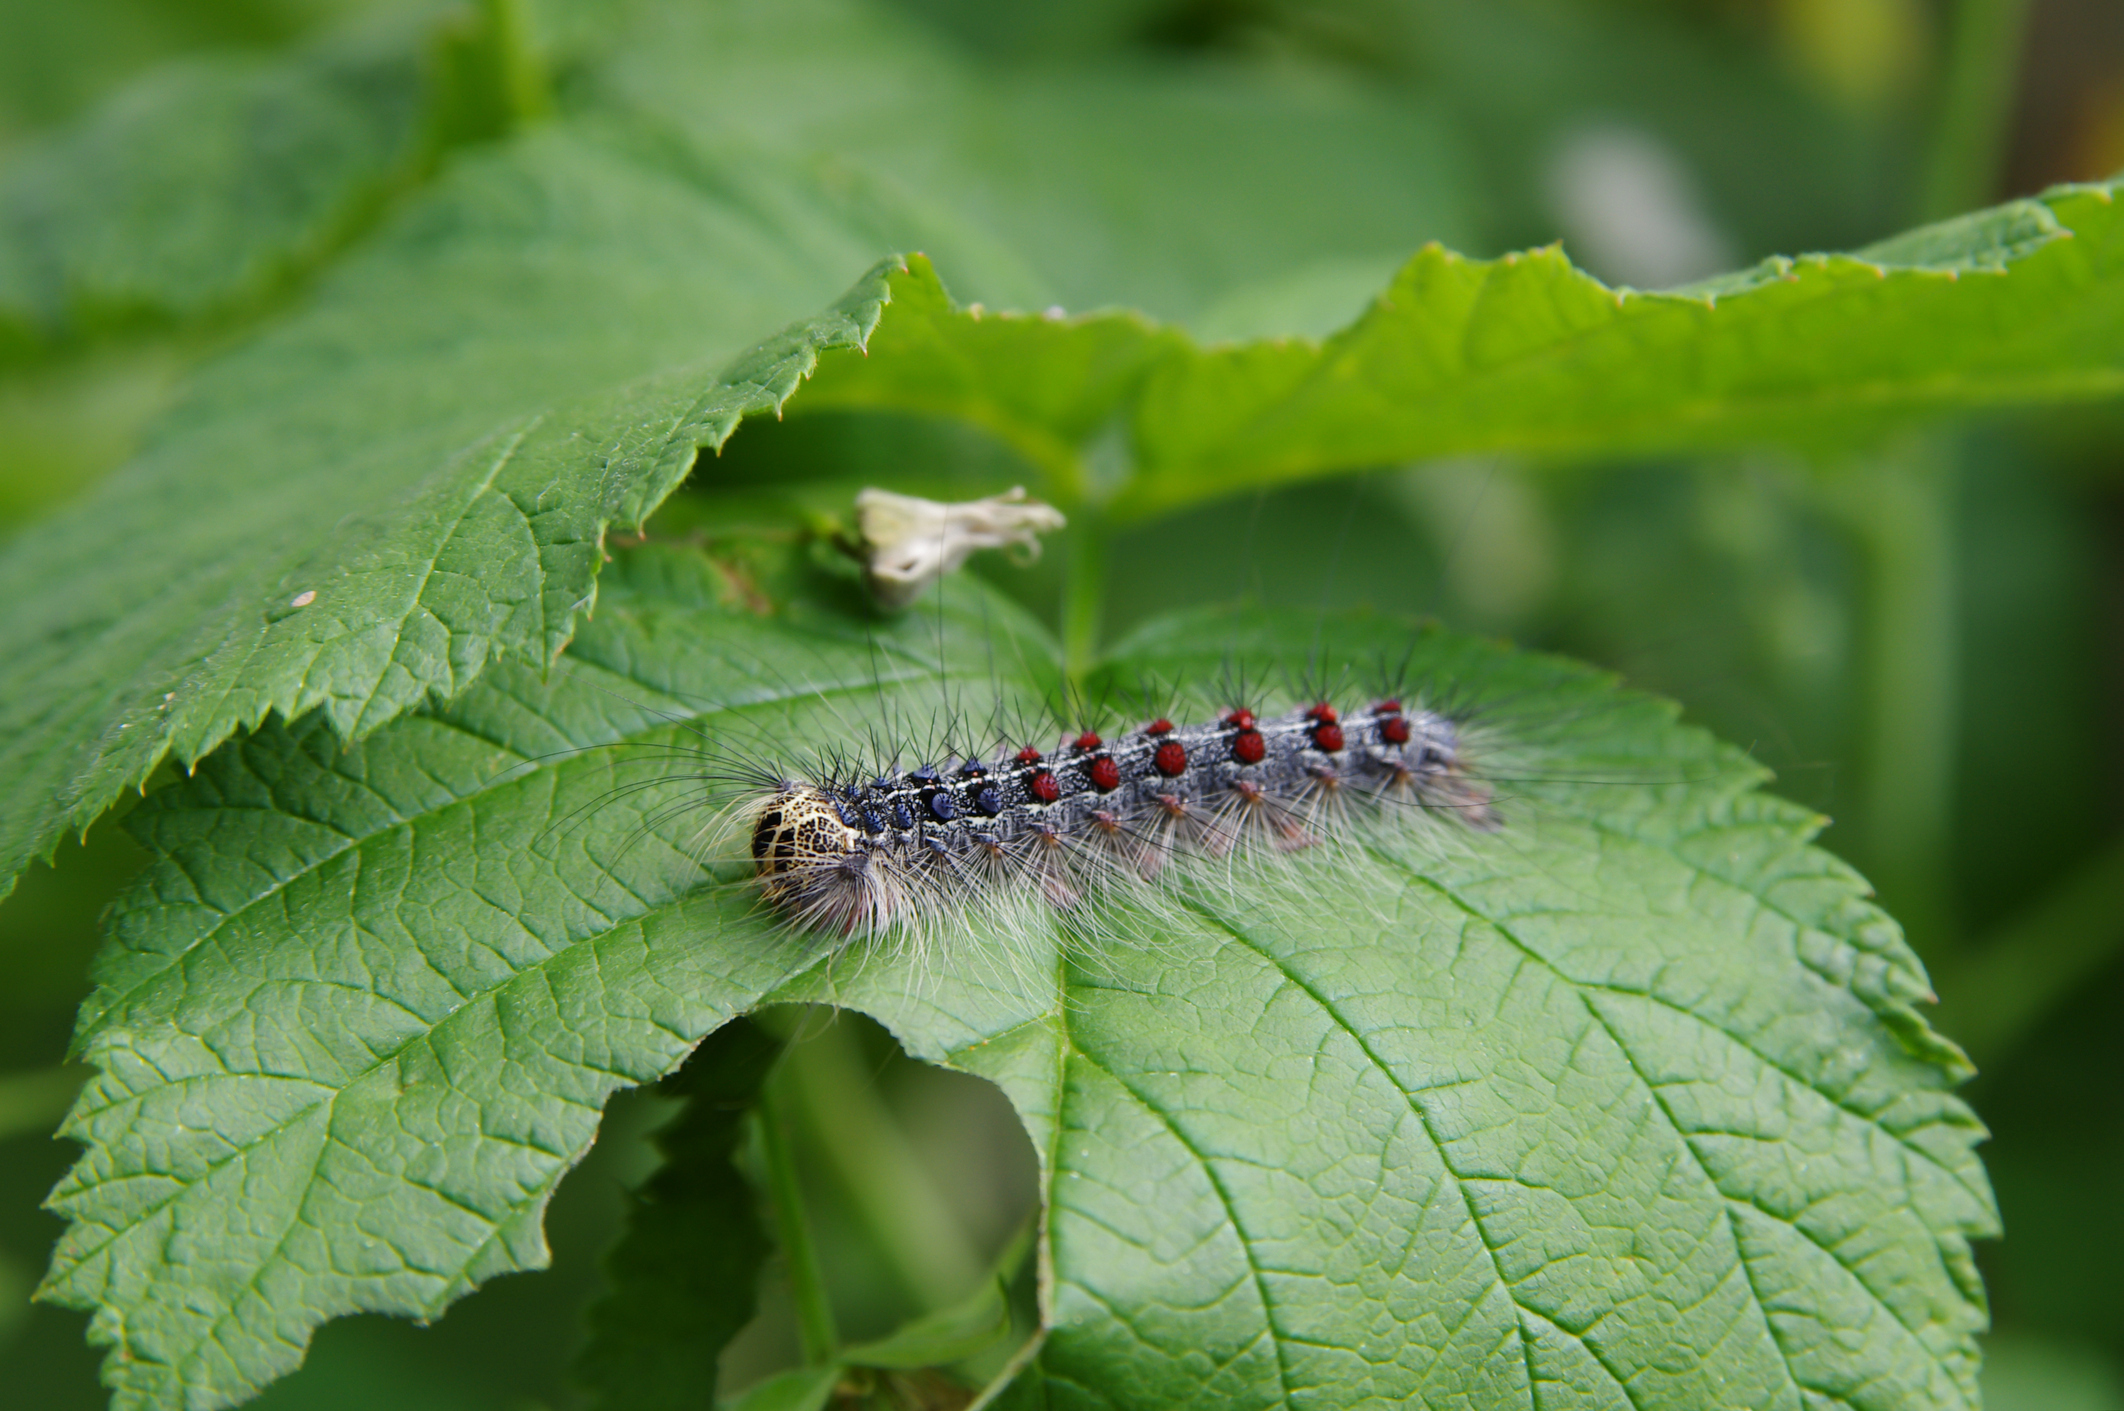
(1423, 1118)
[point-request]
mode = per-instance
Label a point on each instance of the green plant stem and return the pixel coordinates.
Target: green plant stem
(1084, 591)
(815, 1325)
(906, 1216)
(1900, 508)
(1995, 997)
(489, 80)
(1978, 84)
(520, 74)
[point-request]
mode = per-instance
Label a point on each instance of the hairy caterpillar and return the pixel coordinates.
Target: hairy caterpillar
(859, 851)
(855, 854)
(940, 802)
(794, 745)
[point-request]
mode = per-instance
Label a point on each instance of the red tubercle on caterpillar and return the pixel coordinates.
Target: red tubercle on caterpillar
(1170, 758)
(1393, 727)
(1160, 726)
(1247, 745)
(1086, 743)
(1105, 774)
(1045, 787)
(1028, 755)
(1326, 729)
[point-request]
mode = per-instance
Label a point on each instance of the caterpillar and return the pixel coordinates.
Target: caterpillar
(856, 854)
(937, 827)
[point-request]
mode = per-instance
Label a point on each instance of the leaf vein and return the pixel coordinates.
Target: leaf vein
(1231, 1215)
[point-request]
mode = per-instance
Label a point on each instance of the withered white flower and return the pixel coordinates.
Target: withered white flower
(911, 542)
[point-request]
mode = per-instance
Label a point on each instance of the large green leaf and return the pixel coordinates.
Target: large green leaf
(1624, 1104)
(1234, 198)
(1781, 163)
(2024, 303)
(203, 185)
(360, 509)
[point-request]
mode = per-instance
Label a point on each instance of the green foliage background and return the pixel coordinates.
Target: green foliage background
(1908, 619)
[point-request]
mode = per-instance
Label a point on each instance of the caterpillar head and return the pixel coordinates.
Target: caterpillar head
(813, 865)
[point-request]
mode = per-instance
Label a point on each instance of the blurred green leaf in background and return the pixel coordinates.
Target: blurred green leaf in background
(344, 348)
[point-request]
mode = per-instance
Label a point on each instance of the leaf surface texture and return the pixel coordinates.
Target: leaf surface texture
(1625, 1105)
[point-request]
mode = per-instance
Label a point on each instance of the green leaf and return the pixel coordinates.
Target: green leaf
(1781, 163)
(203, 186)
(2024, 303)
(359, 510)
(1191, 190)
(805, 1389)
(1623, 1105)
(682, 1276)
(951, 1334)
